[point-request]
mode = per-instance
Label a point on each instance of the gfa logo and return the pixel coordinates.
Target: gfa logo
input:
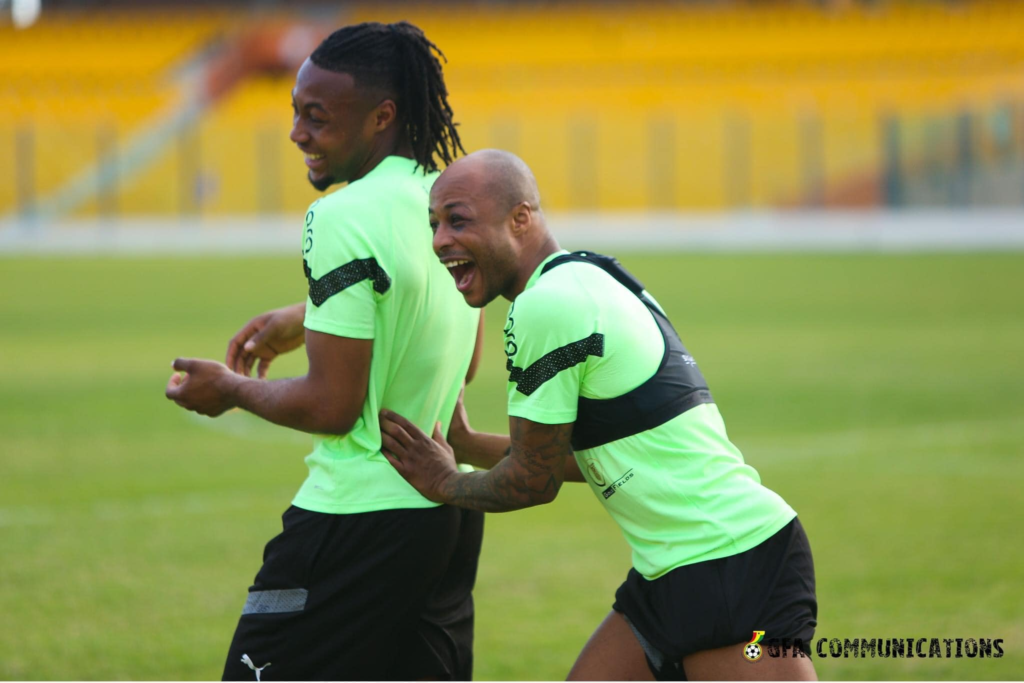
(752, 651)
(596, 475)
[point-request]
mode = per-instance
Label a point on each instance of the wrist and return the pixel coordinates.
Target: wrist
(229, 385)
(446, 486)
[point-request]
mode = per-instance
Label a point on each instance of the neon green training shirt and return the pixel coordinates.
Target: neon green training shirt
(373, 275)
(681, 492)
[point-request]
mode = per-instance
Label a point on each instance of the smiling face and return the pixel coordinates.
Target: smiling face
(474, 234)
(335, 124)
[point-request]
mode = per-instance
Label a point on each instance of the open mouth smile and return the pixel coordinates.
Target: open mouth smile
(464, 272)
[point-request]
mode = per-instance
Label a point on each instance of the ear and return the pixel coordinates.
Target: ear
(383, 115)
(522, 218)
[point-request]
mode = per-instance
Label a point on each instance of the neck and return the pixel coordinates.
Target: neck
(530, 263)
(391, 146)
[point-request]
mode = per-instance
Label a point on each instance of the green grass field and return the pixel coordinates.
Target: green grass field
(882, 396)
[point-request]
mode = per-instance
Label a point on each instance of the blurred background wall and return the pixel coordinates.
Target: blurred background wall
(173, 109)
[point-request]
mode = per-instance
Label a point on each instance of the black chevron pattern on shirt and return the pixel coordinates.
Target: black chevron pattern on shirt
(343, 277)
(550, 364)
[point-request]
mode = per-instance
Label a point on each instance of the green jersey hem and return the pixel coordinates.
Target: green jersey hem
(338, 508)
(748, 542)
(352, 332)
(545, 417)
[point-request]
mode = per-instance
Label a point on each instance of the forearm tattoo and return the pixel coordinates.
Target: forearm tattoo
(531, 474)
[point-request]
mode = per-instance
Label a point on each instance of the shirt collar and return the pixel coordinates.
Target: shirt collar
(536, 273)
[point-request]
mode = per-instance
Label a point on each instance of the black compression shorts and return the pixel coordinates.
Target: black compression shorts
(721, 602)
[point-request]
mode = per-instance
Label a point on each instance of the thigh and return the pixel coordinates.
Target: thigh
(613, 653)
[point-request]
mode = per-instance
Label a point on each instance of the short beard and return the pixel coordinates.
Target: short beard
(505, 287)
(321, 184)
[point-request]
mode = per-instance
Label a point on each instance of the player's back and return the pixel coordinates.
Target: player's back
(373, 275)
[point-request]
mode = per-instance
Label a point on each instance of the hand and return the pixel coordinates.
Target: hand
(205, 388)
(425, 462)
(264, 338)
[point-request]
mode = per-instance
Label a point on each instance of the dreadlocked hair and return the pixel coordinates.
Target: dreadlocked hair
(399, 59)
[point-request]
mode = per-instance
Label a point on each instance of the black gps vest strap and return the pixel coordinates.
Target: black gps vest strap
(677, 386)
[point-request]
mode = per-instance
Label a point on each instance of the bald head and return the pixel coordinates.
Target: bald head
(488, 225)
(500, 175)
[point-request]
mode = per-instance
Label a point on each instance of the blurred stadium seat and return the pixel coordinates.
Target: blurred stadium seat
(75, 84)
(616, 106)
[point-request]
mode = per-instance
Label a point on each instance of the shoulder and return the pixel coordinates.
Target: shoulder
(557, 307)
(569, 291)
(394, 181)
(342, 221)
(341, 205)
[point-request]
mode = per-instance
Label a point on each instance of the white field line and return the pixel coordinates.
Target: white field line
(963, 434)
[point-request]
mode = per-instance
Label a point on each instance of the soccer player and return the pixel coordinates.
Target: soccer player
(369, 579)
(602, 390)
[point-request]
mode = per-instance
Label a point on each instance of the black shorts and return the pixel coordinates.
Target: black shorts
(721, 602)
(369, 596)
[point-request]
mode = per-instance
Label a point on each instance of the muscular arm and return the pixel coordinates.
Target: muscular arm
(531, 474)
(327, 400)
(486, 451)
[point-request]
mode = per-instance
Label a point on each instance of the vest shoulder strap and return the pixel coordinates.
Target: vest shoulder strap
(608, 264)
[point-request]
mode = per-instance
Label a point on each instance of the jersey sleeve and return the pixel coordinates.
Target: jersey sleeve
(346, 276)
(548, 343)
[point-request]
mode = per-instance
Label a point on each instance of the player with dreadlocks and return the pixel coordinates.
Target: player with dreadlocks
(368, 579)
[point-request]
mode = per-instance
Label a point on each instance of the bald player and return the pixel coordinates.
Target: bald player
(602, 390)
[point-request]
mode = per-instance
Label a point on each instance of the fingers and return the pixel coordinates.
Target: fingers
(398, 428)
(254, 351)
(173, 385)
(438, 436)
(237, 343)
(231, 358)
(183, 364)
(257, 340)
(243, 363)
(399, 421)
(391, 445)
(244, 360)
(395, 462)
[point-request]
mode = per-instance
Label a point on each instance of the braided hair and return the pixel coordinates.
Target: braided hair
(399, 59)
